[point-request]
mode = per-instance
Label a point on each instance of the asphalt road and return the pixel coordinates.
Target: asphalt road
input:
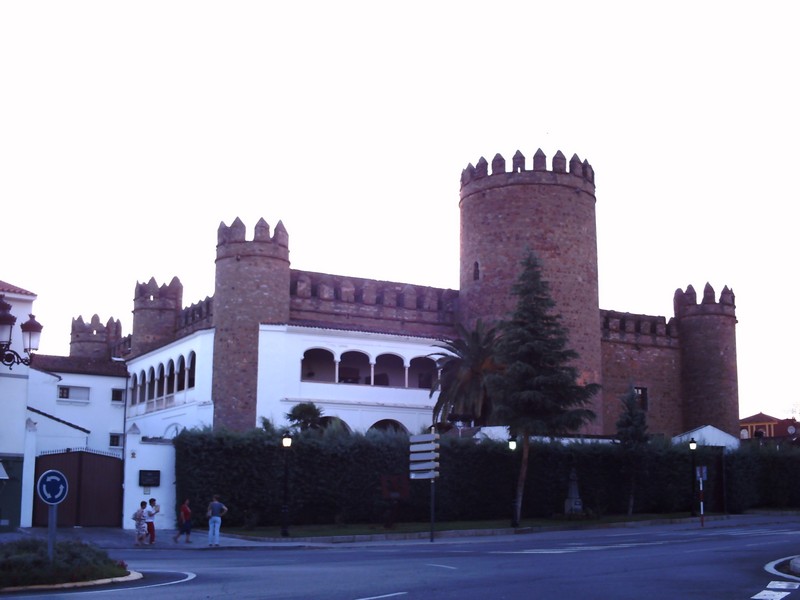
(725, 559)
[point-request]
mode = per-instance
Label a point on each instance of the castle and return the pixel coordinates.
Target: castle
(273, 336)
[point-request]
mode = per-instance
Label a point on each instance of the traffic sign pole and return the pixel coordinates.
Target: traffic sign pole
(424, 464)
(52, 488)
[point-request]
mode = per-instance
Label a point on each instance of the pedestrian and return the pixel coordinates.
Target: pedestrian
(184, 522)
(216, 510)
(150, 519)
(139, 524)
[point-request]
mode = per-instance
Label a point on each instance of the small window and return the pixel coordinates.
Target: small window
(117, 395)
(115, 440)
(641, 396)
(75, 393)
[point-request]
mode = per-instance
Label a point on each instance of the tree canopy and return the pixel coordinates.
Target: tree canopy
(463, 369)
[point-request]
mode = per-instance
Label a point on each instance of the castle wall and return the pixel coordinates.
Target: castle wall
(364, 304)
(642, 351)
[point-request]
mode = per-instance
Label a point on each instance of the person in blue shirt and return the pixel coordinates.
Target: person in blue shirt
(216, 510)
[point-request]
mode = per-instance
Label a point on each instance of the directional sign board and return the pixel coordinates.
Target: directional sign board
(424, 456)
(52, 487)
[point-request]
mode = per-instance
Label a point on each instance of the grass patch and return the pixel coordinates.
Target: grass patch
(26, 562)
(345, 529)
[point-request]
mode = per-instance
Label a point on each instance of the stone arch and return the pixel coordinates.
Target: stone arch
(318, 364)
(389, 425)
(389, 370)
(422, 372)
(354, 367)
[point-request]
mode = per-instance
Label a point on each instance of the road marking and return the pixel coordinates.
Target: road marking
(442, 566)
(579, 548)
(188, 577)
(384, 596)
(782, 585)
(767, 595)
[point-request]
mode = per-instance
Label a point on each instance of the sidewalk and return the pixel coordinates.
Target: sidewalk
(113, 538)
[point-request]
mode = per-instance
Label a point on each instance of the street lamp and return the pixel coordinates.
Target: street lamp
(692, 448)
(286, 442)
(31, 334)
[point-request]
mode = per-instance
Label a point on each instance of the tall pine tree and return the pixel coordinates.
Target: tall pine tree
(537, 393)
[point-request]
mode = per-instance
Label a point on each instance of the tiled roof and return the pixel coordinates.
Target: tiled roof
(79, 365)
(12, 289)
(759, 418)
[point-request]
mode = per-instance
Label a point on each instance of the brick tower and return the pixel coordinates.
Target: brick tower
(553, 214)
(709, 377)
(252, 287)
(155, 314)
(93, 339)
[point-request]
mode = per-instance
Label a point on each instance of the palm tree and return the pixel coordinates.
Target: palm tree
(463, 367)
(305, 416)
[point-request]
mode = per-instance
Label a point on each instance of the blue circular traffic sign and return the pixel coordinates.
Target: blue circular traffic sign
(52, 487)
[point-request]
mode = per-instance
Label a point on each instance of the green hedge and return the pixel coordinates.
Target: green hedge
(355, 478)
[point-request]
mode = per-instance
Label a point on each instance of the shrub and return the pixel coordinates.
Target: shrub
(26, 562)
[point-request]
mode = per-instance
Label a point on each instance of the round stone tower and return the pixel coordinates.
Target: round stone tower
(552, 213)
(93, 339)
(251, 287)
(155, 314)
(709, 376)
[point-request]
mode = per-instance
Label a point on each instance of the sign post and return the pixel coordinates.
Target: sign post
(52, 488)
(702, 475)
(424, 463)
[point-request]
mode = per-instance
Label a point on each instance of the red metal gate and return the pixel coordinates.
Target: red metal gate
(95, 482)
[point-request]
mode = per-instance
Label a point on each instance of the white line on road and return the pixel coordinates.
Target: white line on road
(442, 566)
(384, 596)
(188, 577)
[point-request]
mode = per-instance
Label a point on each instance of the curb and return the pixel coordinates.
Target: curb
(131, 576)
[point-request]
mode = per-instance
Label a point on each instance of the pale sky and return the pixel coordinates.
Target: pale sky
(130, 130)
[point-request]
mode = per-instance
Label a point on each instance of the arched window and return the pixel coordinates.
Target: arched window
(318, 365)
(151, 384)
(181, 377)
(142, 388)
(476, 271)
(192, 363)
(170, 377)
(134, 388)
(160, 382)
(354, 367)
(389, 371)
(422, 373)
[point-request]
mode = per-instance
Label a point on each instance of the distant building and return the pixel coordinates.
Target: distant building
(767, 427)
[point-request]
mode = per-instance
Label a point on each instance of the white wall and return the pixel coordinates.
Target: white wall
(280, 354)
(150, 456)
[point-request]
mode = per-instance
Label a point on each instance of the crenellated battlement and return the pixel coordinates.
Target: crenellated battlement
(237, 232)
(614, 322)
(685, 302)
(94, 339)
(340, 301)
(197, 315)
(150, 294)
(575, 172)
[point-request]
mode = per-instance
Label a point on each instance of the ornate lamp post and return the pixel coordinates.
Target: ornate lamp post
(692, 449)
(286, 442)
(31, 334)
